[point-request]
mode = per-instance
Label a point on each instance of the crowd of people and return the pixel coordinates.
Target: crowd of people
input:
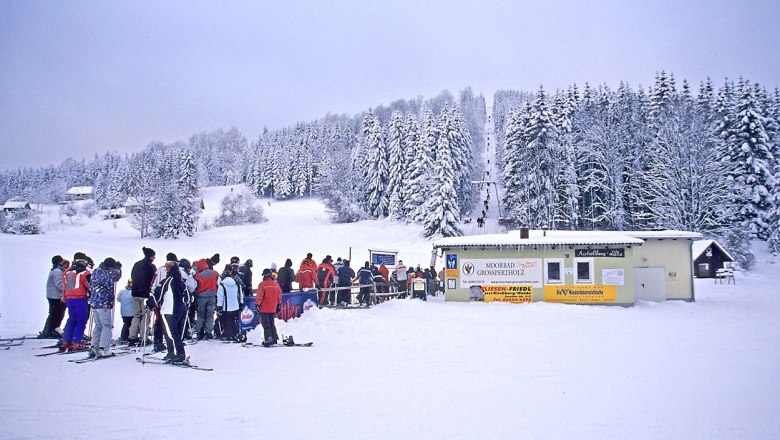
(182, 300)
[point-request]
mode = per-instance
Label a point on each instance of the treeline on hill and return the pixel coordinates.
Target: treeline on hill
(623, 159)
(411, 160)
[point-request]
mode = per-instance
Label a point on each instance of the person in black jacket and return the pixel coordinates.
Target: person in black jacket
(345, 277)
(245, 271)
(286, 276)
(173, 306)
(143, 274)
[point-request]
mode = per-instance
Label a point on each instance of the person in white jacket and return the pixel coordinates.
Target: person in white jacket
(229, 303)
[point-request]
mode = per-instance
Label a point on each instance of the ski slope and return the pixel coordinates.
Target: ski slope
(405, 368)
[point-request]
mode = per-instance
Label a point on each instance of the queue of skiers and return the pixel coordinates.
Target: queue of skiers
(179, 300)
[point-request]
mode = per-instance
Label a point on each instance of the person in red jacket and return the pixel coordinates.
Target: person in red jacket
(326, 274)
(268, 300)
(76, 290)
(307, 278)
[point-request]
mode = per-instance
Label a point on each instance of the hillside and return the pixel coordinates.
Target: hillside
(405, 368)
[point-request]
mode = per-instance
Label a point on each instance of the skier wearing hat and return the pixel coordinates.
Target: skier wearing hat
(76, 290)
(54, 297)
(206, 299)
(172, 304)
(142, 276)
(268, 300)
(102, 299)
(245, 271)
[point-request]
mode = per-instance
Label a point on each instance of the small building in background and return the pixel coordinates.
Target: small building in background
(16, 206)
(708, 257)
(79, 193)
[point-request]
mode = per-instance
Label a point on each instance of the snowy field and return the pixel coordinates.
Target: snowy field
(404, 369)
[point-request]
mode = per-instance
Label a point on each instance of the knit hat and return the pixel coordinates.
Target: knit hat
(171, 257)
(267, 273)
(185, 264)
(109, 262)
(56, 260)
(148, 252)
(214, 258)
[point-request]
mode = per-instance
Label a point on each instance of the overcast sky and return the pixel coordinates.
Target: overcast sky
(85, 77)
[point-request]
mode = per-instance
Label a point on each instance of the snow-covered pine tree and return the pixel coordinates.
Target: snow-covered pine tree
(442, 210)
(751, 164)
(516, 165)
(375, 172)
(566, 211)
(396, 158)
(462, 158)
(419, 182)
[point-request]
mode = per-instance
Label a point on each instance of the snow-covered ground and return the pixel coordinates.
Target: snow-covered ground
(403, 369)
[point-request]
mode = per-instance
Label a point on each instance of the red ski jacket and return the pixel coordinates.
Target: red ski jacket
(269, 296)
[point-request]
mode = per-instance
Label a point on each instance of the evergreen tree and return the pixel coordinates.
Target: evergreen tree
(443, 212)
(376, 171)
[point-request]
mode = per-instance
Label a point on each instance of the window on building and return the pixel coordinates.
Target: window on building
(553, 270)
(583, 268)
(704, 268)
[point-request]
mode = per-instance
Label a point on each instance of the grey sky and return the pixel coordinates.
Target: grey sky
(85, 77)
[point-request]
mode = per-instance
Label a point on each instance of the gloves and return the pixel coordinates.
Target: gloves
(219, 310)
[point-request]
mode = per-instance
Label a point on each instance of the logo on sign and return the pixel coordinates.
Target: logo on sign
(452, 261)
(468, 268)
(247, 316)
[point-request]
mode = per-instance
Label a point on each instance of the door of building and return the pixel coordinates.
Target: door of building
(650, 283)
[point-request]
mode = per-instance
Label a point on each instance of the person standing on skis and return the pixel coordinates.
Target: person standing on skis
(172, 303)
(76, 286)
(103, 281)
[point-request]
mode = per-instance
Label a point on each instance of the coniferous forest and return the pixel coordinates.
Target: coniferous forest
(704, 159)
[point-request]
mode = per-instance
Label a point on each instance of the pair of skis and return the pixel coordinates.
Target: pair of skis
(158, 361)
(100, 358)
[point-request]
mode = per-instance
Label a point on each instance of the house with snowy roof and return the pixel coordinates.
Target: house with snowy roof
(708, 257)
(578, 267)
(79, 193)
(12, 206)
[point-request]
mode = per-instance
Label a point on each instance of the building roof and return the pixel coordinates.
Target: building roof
(16, 205)
(79, 190)
(700, 246)
(538, 238)
(663, 234)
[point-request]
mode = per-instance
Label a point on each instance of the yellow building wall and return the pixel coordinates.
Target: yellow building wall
(623, 294)
(674, 255)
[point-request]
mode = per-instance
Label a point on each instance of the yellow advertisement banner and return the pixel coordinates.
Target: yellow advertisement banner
(521, 293)
(580, 294)
(451, 273)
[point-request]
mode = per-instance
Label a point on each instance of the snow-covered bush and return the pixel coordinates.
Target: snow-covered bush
(68, 210)
(239, 208)
(23, 222)
(89, 209)
(3, 222)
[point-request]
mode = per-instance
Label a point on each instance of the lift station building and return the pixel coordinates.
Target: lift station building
(578, 267)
